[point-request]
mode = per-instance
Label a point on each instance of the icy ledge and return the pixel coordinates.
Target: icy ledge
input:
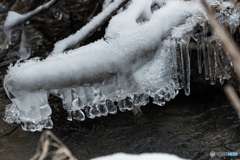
(138, 58)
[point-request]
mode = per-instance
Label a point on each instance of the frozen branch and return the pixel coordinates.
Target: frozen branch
(73, 40)
(14, 19)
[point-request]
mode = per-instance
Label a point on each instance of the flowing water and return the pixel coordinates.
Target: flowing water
(190, 127)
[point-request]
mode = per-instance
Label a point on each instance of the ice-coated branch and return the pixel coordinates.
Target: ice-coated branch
(73, 40)
(139, 58)
(14, 19)
(136, 61)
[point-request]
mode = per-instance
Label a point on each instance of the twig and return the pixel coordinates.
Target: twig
(233, 98)
(2, 3)
(44, 145)
(94, 10)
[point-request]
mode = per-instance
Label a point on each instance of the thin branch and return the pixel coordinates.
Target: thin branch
(233, 98)
(91, 27)
(93, 12)
(31, 14)
(43, 150)
(2, 3)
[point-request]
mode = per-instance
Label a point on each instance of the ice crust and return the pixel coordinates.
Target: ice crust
(143, 54)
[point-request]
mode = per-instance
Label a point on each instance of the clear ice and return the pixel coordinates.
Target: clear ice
(144, 54)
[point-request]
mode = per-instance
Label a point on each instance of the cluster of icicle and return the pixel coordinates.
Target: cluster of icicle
(144, 54)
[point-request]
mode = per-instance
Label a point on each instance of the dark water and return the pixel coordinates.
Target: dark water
(189, 127)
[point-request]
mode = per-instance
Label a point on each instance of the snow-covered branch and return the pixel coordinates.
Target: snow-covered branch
(73, 40)
(14, 19)
(144, 54)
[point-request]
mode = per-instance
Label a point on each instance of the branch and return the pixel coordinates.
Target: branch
(2, 3)
(73, 40)
(10, 24)
(233, 98)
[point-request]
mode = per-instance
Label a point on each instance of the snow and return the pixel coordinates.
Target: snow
(138, 58)
(145, 156)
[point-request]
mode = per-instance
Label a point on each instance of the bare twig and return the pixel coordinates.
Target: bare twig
(233, 98)
(2, 3)
(94, 10)
(43, 150)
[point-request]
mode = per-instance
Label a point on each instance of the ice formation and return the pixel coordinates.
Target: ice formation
(143, 54)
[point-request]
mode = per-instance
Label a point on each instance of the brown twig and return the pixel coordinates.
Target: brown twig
(233, 98)
(43, 150)
(2, 3)
(93, 12)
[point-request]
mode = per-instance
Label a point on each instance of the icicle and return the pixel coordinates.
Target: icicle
(199, 58)
(204, 25)
(112, 109)
(78, 115)
(159, 100)
(205, 61)
(219, 62)
(185, 63)
(23, 52)
(174, 54)
(136, 100)
(128, 104)
(102, 108)
(211, 61)
(144, 99)
(198, 37)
